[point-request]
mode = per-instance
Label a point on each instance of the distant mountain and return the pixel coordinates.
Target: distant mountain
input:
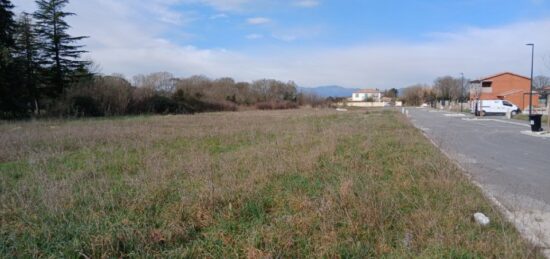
(329, 91)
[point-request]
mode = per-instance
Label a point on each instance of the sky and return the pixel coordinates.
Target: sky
(351, 43)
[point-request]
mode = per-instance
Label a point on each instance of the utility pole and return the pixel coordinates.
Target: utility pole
(531, 91)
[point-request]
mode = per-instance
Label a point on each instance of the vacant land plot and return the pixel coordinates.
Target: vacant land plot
(304, 183)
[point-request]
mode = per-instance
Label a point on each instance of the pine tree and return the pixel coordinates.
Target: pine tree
(27, 57)
(7, 26)
(8, 101)
(59, 52)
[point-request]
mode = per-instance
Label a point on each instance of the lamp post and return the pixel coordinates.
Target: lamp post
(462, 93)
(531, 90)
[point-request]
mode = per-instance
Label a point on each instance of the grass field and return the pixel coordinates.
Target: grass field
(303, 183)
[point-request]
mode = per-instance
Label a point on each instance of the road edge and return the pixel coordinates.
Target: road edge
(524, 230)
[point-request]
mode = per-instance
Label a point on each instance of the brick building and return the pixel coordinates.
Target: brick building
(504, 86)
(366, 94)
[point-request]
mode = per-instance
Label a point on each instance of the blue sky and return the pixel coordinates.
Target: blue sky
(332, 23)
(314, 42)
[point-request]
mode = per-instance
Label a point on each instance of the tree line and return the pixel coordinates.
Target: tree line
(42, 74)
(446, 88)
(452, 89)
(162, 93)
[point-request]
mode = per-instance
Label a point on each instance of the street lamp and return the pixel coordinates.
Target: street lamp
(531, 90)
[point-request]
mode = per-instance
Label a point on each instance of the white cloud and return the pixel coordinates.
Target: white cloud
(258, 20)
(284, 37)
(254, 36)
(219, 16)
(476, 52)
(297, 33)
(125, 39)
(307, 3)
(223, 5)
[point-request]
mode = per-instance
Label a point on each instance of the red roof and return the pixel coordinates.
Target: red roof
(367, 91)
(504, 73)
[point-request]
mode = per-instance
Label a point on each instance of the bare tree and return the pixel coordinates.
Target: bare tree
(160, 81)
(475, 94)
(448, 88)
(195, 86)
(539, 82)
(416, 95)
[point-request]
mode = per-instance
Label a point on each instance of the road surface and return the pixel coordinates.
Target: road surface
(510, 166)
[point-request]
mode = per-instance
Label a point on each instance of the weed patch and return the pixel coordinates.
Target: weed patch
(290, 183)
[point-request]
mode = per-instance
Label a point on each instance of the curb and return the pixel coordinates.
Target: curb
(544, 134)
(522, 228)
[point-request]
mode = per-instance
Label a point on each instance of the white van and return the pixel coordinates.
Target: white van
(495, 107)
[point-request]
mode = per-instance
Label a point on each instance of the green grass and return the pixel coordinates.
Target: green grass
(306, 183)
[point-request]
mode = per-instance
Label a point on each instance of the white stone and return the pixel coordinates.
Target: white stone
(481, 219)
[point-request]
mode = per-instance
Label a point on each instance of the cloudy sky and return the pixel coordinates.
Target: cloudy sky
(353, 43)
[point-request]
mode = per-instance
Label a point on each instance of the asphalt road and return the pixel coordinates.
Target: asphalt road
(513, 167)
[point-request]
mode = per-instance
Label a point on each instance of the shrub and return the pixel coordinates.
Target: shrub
(101, 96)
(154, 104)
(217, 105)
(112, 94)
(191, 103)
(162, 104)
(84, 106)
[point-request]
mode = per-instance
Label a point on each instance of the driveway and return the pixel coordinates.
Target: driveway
(512, 167)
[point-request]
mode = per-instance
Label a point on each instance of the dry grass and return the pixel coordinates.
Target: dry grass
(300, 183)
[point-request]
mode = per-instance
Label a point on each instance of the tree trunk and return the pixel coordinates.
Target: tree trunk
(36, 108)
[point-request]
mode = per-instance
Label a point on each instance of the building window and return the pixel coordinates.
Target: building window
(487, 87)
(487, 84)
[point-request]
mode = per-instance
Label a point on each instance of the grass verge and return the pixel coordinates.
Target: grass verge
(304, 183)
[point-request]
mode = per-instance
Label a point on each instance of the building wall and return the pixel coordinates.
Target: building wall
(370, 105)
(506, 83)
(361, 97)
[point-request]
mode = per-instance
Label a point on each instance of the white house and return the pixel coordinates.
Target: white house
(366, 95)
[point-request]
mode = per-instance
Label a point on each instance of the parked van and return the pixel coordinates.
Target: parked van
(495, 107)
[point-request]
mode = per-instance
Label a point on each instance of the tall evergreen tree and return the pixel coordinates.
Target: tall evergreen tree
(27, 57)
(7, 25)
(60, 54)
(8, 100)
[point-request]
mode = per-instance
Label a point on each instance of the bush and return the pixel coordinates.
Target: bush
(101, 96)
(84, 106)
(154, 104)
(189, 103)
(217, 105)
(112, 94)
(163, 105)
